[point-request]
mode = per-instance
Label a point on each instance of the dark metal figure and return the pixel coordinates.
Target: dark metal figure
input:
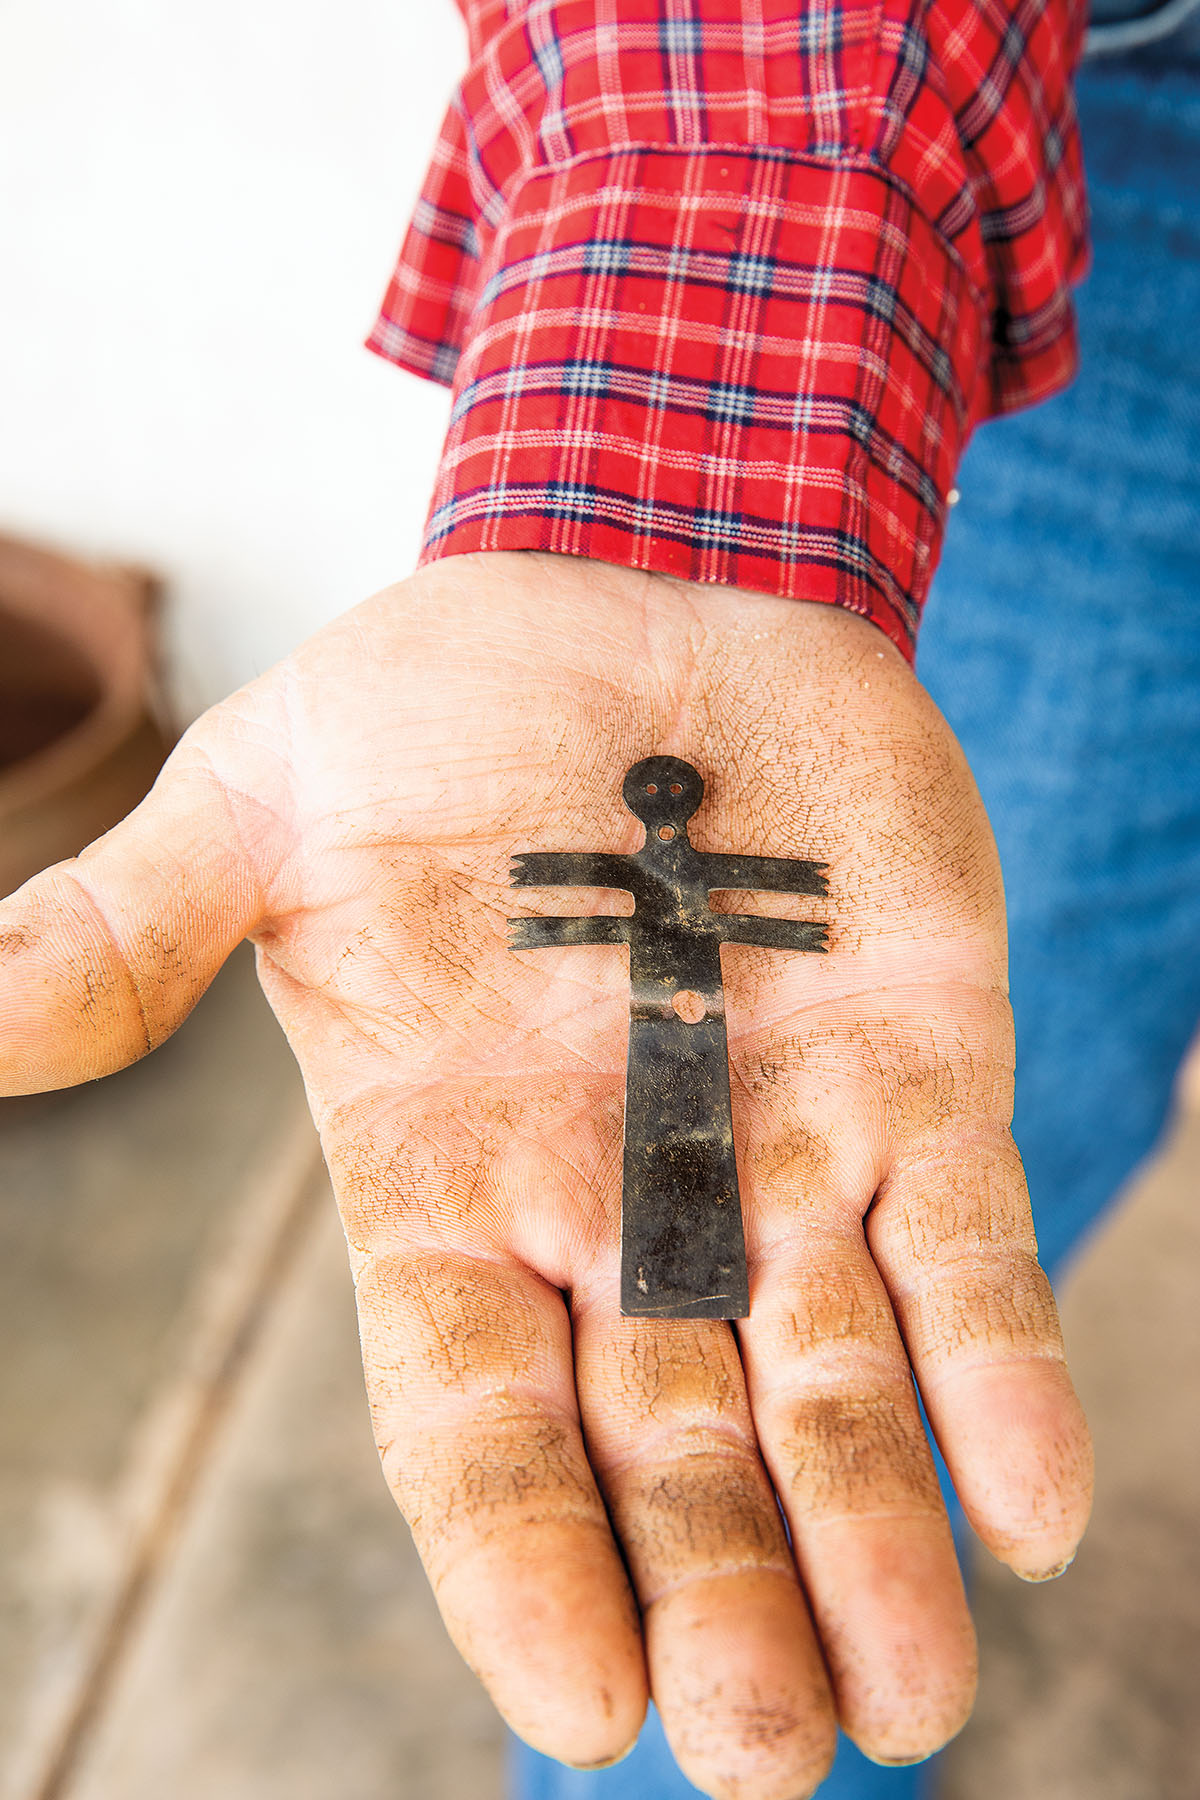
(683, 1252)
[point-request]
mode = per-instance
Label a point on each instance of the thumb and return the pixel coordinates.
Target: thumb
(101, 957)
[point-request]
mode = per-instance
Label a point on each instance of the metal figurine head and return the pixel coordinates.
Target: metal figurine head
(663, 792)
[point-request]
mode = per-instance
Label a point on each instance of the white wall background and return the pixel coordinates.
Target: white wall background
(200, 202)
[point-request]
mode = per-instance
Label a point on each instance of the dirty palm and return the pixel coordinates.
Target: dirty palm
(597, 1498)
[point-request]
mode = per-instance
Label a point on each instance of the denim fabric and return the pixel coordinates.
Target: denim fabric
(1062, 641)
(1063, 645)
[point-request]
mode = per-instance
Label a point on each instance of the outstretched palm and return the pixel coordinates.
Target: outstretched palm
(595, 1495)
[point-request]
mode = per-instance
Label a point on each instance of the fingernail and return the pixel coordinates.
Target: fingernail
(606, 1762)
(1047, 1574)
(898, 1762)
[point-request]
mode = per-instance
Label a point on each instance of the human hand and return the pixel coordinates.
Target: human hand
(354, 811)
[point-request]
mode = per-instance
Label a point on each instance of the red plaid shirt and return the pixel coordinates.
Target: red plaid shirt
(722, 286)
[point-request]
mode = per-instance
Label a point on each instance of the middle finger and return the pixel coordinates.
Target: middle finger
(734, 1666)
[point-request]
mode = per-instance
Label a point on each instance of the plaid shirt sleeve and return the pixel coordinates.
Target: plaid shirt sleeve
(722, 286)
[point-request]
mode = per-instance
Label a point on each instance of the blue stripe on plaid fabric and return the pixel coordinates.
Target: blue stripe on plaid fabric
(441, 226)
(999, 225)
(606, 256)
(681, 37)
(988, 100)
(486, 195)
(554, 129)
(750, 274)
(547, 54)
(686, 44)
(682, 45)
(732, 533)
(819, 30)
(955, 218)
(823, 415)
(909, 74)
(730, 403)
(575, 377)
(432, 357)
(807, 283)
(1033, 329)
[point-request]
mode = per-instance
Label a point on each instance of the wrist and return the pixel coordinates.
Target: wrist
(675, 618)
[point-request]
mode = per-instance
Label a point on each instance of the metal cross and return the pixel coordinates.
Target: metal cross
(683, 1251)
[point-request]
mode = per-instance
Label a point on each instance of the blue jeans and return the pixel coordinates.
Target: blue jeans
(1062, 642)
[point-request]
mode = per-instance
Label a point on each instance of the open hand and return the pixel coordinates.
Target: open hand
(598, 1500)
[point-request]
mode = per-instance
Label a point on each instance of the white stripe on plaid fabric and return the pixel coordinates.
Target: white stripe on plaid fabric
(733, 532)
(722, 402)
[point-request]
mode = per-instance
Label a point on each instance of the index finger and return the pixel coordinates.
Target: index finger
(468, 1364)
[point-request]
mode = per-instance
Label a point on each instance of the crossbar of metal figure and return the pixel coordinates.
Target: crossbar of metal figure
(683, 1250)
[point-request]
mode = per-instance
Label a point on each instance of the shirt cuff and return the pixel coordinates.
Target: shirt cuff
(729, 365)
